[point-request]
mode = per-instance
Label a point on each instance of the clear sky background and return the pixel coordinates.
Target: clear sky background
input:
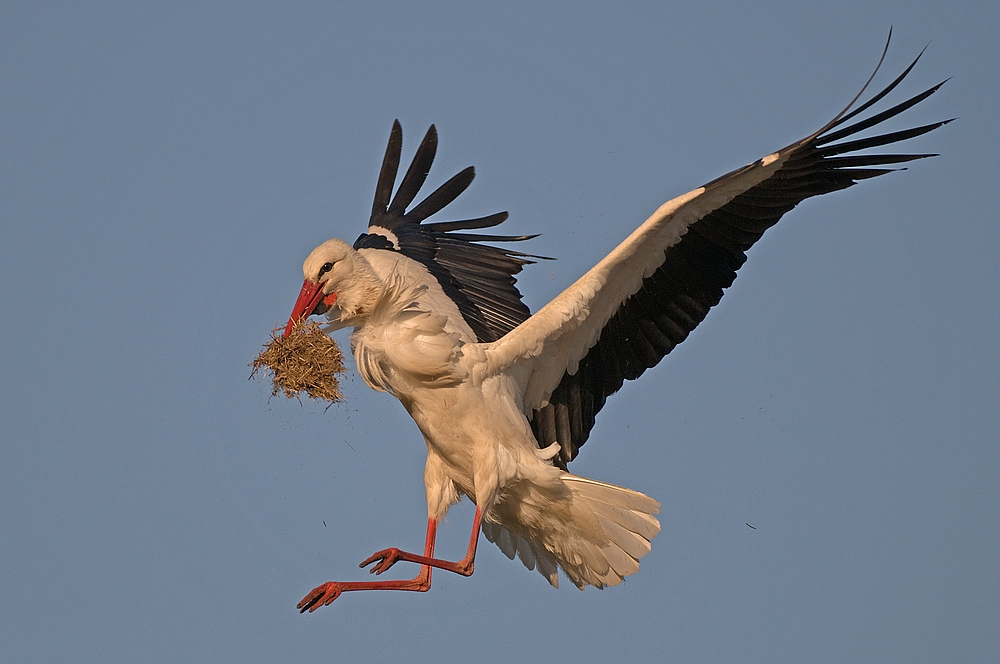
(165, 168)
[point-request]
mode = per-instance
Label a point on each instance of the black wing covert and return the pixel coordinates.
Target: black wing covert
(479, 278)
(695, 270)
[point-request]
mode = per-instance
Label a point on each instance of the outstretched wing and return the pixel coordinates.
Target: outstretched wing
(479, 278)
(624, 315)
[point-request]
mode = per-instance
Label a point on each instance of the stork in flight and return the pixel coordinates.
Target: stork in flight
(505, 399)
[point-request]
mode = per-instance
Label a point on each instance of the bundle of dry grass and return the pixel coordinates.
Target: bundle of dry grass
(307, 360)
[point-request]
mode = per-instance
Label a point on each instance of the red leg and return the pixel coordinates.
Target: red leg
(331, 590)
(388, 557)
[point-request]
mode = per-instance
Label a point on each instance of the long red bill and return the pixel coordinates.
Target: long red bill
(309, 298)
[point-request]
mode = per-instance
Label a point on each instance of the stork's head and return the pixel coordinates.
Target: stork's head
(338, 282)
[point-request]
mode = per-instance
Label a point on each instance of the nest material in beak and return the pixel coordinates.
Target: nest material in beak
(307, 360)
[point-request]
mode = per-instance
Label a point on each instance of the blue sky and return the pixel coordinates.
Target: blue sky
(164, 169)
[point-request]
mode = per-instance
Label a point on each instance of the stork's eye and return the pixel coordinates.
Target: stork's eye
(326, 268)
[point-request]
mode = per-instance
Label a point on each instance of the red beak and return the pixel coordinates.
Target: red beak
(309, 299)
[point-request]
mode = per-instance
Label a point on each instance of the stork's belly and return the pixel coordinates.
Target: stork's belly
(478, 432)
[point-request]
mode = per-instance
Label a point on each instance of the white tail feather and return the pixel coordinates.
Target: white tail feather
(522, 549)
(595, 532)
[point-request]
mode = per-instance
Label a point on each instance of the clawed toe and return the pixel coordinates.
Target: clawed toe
(385, 558)
(319, 596)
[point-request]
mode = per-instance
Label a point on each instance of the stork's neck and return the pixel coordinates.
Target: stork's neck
(357, 296)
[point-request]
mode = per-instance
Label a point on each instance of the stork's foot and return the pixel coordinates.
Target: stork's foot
(331, 590)
(320, 596)
(385, 559)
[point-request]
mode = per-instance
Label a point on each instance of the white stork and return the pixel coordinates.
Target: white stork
(505, 399)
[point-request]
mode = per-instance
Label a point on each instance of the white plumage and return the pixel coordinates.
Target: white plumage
(411, 341)
(505, 399)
